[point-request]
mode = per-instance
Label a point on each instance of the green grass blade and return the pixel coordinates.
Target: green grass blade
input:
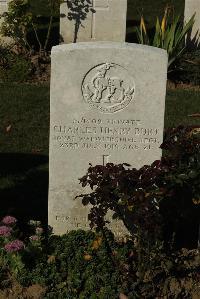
(157, 36)
(186, 28)
(172, 34)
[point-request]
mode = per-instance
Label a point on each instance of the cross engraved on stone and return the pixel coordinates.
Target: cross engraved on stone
(97, 6)
(105, 159)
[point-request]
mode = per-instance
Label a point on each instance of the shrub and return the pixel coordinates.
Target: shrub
(170, 37)
(20, 20)
(13, 67)
(155, 199)
(68, 265)
(86, 264)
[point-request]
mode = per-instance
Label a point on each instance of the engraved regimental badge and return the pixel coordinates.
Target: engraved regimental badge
(108, 87)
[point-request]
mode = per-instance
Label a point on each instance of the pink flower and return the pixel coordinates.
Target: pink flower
(34, 238)
(5, 231)
(9, 220)
(13, 246)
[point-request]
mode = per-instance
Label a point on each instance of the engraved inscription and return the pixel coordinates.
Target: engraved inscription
(106, 135)
(73, 221)
(83, 223)
(103, 89)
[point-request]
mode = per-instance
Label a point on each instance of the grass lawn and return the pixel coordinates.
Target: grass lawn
(180, 103)
(24, 131)
(24, 116)
(25, 110)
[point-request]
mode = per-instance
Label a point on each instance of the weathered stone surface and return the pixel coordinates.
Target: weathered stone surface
(191, 7)
(107, 105)
(101, 20)
(3, 9)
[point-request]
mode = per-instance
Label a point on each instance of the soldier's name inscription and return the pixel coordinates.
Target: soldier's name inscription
(105, 134)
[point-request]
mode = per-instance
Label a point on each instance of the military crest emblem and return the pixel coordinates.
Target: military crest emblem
(108, 87)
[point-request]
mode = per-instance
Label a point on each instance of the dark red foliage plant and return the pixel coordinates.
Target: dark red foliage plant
(154, 200)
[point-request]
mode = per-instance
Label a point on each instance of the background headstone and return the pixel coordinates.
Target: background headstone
(3, 8)
(191, 7)
(107, 105)
(93, 20)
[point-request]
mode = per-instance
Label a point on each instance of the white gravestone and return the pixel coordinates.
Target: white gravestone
(3, 8)
(191, 7)
(101, 20)
(107, 105)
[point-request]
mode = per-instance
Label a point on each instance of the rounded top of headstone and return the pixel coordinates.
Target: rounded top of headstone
(108, 45)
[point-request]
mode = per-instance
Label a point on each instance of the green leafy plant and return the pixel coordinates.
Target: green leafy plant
(20, 20)
(78, 265)
(168, 36)
(10, 246)
(88, 264)
(68, 265)
(153, 202)
(16, 22)
(13, 67)
(15, 253)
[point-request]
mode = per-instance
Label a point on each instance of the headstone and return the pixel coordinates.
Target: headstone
(107, 105)
(93, 20)
(3, 8)
(191, 7)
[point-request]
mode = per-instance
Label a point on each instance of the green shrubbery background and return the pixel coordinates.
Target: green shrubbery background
(34, 25)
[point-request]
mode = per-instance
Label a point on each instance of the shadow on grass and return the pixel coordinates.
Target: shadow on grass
(24, 186)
